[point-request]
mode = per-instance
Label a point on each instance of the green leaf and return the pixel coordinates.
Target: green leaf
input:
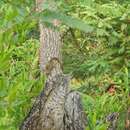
(4, 59)
(101, 127)
(49, 16)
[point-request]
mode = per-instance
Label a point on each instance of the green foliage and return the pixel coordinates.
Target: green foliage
(98, 107)
(49, 16)
(20, 78)
(20, 82)
(100, 58)
(96, 51)
(103, 54)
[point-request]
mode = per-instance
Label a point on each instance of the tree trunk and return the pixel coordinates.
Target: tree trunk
(56, 108)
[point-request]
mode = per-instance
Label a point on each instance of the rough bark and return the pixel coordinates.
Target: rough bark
(56, 108)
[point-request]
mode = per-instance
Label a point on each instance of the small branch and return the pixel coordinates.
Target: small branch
(76, 42)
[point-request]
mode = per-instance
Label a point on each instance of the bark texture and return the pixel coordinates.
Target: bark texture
(56, 108)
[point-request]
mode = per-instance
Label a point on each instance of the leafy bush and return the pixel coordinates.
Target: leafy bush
(97, 55)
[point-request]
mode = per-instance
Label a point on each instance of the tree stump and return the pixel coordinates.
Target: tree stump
(56, 108)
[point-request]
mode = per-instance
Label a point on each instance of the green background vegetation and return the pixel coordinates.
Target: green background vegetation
(96, 51)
